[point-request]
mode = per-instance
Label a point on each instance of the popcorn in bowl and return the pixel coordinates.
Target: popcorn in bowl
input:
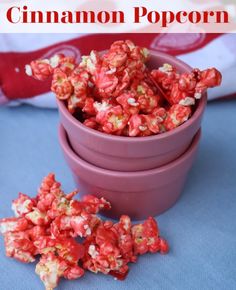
(116, 93)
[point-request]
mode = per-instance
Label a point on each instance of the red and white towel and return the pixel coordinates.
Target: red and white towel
(16, 50)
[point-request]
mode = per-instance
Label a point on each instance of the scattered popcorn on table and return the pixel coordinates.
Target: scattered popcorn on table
(119, 94)
(49, 225)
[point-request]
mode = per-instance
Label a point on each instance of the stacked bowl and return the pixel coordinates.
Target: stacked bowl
(140, 176)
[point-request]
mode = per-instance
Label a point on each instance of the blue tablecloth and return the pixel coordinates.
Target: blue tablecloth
(201, 227)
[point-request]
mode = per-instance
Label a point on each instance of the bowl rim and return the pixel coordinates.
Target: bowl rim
(127, 139)
(64, 142)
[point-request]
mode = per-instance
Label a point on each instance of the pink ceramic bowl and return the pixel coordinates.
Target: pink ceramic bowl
(133, 153)
(139, 194)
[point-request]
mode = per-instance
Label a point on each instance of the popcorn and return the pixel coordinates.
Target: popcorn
(89, 107)
(102, 253)
(49, 190)
(50, 269)
(138, 126)
(125, 239)
(176, 115)
(61, 85)
(93, 205)
(19, 246)
(114, 119)
(13, 224)
(66, 248)
(79, 79)
(185, 88)
(129, 103)
(39, 69)
(22, 205)
(91, 123)
(37, 217)
(209, 78)
(66, 64)
(48, 224)
(72, 273)
(146, 98)
(146, 238)
(118, 93)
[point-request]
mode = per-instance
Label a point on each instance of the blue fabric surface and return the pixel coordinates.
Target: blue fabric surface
(200, 228)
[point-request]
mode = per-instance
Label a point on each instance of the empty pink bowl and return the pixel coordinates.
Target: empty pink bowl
(139, 194)
(133, 153)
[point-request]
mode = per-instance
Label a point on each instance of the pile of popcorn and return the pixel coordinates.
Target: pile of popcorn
(49, 225)
(117, 94)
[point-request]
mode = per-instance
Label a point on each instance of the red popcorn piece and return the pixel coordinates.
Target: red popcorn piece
(164, 247)
(36, 232)
(146, 237)
(124, 79)
(49, 190)
(61, 85)
(66, 248)
(59, 206)
(102, 253)
(88, 107)
(114, 120)
(83, 224)
(13, 225)
(65, 206)
(72, 273)
(39, 69)
(138, 126)
(156, 119)
(129, 103)
(80, 81)
(93, 204)
(184, 88)
(165, 76)
(209, 78)
(61, 227)
(91, 63)
(105, 82)
(19, 246)
(49, 185)
(160, 113)
(91, 123)
(182, 91)
(146, 98)
(50, 269)
(75, 102)
(176, 115)
(117, 55)
(101, 110)
(124, 54)
(125, 241)
(153, 123)
(65, 63)
(22, 205)
(110, 248)
(77, 219)
(148, 103)
(187, 82)
(37, 217)
(180, 97)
